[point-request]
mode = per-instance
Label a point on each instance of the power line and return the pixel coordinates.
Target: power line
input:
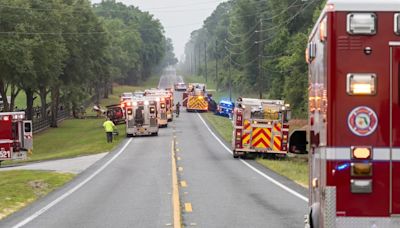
(305, 6)
(245, 64)
(240, 53)
(240, 42)
(129, 7)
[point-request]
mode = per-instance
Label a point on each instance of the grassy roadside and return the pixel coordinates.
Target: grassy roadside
(20, 188)
(293, 167)
(77, 137)
(74, 137)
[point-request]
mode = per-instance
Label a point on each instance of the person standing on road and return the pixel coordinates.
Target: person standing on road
(109, 127)
(178, 105)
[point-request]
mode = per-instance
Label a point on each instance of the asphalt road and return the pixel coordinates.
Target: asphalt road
(131, 187)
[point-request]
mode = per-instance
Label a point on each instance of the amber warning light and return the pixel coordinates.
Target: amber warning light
(361, 153)
(361, 84)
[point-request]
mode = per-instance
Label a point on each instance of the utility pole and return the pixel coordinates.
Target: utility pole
(260, 53)
(198, 73)
(195, 62)
(190, 63)
(230, 78)
(216, 62)
(205, 59)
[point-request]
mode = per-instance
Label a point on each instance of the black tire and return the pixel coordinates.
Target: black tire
(129, 135)
(234, 154)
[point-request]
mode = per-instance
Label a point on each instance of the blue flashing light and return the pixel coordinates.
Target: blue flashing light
(342, 167)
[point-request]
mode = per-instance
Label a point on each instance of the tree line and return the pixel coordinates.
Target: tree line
(65, 51)
(256, 46)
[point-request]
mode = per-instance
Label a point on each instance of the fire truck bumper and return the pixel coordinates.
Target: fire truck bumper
(142, 131)
(169, 116)
(390, 222)
(260, 150)
(21, 155)
(331, 220)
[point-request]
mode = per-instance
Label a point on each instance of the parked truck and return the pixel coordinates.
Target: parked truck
(15, 136)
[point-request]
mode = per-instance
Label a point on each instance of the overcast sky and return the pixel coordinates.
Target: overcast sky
(179, 17)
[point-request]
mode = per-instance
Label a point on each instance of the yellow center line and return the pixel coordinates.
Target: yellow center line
(175, 192)
(188, 207)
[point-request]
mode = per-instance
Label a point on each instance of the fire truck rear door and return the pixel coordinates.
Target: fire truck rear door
(395, 127)
(27, 135)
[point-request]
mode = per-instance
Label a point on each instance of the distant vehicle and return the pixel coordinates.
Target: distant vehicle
(116, 114)
(196, 98)
(165, 101)
(138, 94)
(15, 136)
(225, 108)
(140, 116)
(180, 86)
(126, 96)
(260, 127)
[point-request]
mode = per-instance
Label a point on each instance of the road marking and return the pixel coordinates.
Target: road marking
(179, 158)
(177, 150)
(284, 187)
(183, 184)
(188, 207)
(180, 169)
(175, 191)
(68, 193)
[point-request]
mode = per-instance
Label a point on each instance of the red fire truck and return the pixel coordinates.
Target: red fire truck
(354, 115)
(15, 136)
(260, 127)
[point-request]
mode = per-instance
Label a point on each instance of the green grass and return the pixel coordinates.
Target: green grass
(294, 168)
(77, 137)
(74, 137)
(20, 188)
(221, 124)
(20, 100)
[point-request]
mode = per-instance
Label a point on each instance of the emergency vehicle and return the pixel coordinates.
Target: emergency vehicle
(354, 115)
(15, 136)
(225, 108)
(260, 127)
(116, 114)
(164, 107)
(141, 116)
(195, 98)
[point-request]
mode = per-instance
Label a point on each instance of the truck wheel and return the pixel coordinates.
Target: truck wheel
(235, 155)
(129, 135)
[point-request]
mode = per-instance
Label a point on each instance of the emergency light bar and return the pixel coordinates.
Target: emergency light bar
(361, 23)
(361, 84)
(397, 23)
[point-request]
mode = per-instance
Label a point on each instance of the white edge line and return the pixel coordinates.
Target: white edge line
(291, 191)
(65, 195)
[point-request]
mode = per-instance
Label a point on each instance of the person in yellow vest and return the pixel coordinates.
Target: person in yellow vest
(109, 127)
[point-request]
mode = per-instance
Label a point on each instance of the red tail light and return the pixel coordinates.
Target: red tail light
(238, 138)
(239, 118)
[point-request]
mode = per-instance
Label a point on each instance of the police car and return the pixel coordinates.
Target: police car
(225, 108)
